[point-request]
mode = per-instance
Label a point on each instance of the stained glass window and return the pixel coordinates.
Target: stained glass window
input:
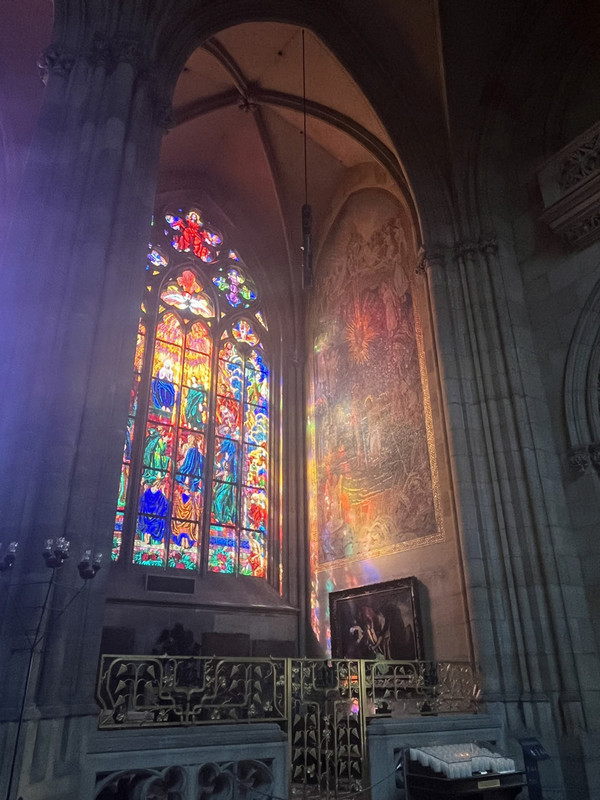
(194, 481)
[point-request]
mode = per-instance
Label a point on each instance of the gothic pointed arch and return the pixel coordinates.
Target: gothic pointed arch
(194, 481)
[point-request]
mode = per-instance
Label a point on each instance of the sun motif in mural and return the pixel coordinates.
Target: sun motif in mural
(359, 334)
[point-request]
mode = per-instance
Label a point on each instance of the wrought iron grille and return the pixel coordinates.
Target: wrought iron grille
(324, 706)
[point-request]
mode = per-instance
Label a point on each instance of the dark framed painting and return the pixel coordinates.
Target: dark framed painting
(380, 621)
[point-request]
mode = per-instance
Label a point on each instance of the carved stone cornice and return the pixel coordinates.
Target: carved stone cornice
(581, 162)
(55, 60)
(570, 186)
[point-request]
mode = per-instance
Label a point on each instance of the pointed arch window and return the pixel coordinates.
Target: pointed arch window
(194, 478)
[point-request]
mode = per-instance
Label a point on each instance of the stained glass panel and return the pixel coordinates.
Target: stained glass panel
(223, 509)
(169, 330)
(186, 293)
(230, 378)
(261, 318)
(257, 361)
(166, 378)
(147, 551)
(187, 505)
(228, 417)
(149, 546)
(255, 508)
(253, 554)
(256, 425)
(198, 339)
(257, 387)
(123, 483)
(242, 332)
(133, 398)
(190, 460)
(117, 536)
(158, 451)
(191, 235)
(194, 406)
(138, 360)
(255, 466)
(197, 367)
(222, 546)
(156, 259)
(237, 288)
(183, 549)
(226, 460)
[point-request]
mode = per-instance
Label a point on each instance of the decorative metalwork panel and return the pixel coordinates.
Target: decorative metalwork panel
(185, 690)
(326, 728)
(406, 688)
(322, 705)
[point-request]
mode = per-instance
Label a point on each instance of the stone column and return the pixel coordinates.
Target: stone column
(526, 597)
(71, 282)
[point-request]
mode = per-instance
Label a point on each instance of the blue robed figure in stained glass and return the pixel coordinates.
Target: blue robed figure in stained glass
(153, 508)
(163, 388)
(190, 472)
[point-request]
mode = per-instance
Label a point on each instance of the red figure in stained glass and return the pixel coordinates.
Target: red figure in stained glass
(192, 235)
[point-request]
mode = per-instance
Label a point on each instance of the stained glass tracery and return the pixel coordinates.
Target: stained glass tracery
(200, 498)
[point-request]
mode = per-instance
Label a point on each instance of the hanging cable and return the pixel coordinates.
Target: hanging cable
(307, 275)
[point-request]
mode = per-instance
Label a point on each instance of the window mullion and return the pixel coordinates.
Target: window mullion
(210, 449)
(175, 450)
(241, 465)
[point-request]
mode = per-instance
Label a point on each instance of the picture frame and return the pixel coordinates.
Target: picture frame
(379, 621)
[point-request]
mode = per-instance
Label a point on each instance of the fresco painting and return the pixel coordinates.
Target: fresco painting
(371, 466)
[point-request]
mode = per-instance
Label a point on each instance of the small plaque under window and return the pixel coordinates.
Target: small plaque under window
(166, 583)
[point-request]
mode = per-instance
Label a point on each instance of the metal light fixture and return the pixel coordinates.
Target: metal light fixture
(9, 557)
(88, 566)
(55, 553)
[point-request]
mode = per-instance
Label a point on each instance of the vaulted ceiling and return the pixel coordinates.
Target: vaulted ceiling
(240, 126)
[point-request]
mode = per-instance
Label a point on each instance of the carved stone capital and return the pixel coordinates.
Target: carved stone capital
(100, 53)
(467, 250)
(488, 245)
(429, 258)
(579, 458)
(594, 451)
(127, 49)
(122, 48)
(164, 116)
(55, 60)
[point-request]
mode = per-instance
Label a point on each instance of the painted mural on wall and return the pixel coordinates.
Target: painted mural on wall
(371, 466)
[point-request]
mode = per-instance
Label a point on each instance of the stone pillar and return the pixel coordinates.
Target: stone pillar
(71, 282)
(526, 596)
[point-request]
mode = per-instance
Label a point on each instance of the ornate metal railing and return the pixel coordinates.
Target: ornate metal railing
(323, 706)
